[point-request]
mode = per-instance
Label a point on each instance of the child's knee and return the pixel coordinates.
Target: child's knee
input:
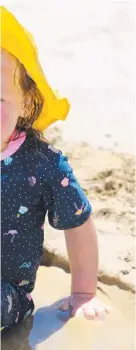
(15, 305)
(8, 305)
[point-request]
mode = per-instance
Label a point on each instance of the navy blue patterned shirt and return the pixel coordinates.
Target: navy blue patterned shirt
(36, 180)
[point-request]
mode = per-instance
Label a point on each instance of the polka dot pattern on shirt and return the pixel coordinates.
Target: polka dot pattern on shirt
(35, 181)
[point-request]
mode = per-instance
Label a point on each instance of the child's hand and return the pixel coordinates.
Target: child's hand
(83, 304)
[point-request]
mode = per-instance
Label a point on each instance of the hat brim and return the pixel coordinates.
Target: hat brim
(18, 42)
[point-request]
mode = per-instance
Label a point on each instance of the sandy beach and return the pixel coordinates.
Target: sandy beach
(87, 52)
(108, 179)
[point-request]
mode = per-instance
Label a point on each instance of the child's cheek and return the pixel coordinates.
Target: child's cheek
(5, 117)
(7, 123)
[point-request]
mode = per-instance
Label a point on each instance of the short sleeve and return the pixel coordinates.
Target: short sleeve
(64, 200)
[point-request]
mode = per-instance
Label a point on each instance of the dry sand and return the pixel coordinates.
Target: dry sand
(108, 179)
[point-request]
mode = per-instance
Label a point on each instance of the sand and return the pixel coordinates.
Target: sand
(108, 179)
(45, 331)
(90, 58)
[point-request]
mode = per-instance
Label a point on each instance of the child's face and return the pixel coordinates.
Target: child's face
(11, 96)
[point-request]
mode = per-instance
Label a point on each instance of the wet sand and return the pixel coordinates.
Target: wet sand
(45, 331)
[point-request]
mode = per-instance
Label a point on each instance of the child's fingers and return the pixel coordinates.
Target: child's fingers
(65, 314)
(64, 305)
(89, 313)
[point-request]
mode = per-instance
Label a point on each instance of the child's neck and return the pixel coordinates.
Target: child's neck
(12, 145)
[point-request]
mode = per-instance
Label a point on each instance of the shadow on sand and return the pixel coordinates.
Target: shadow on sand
(34, 330)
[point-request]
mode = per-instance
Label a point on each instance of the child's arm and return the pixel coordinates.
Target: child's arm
(82, 250)
(69, 210)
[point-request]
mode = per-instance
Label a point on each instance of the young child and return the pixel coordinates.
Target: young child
(36, 180)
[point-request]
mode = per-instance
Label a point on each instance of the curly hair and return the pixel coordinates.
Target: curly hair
(33, 108)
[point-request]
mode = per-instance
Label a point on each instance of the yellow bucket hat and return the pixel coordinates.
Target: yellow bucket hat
(18, 42)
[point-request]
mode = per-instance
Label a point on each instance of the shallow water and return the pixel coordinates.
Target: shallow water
(87, 51)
